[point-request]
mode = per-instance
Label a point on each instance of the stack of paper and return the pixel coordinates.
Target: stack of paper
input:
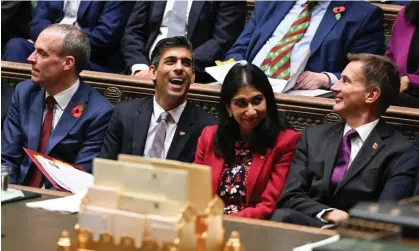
(70, 204)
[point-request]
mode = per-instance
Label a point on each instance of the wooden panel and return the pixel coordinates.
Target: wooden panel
(299, 110)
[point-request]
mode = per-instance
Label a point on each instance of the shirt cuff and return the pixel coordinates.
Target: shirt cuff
(332, 77)
(319, 215)
(138, 67)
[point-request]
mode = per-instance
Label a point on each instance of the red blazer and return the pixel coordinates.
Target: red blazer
(267, 174)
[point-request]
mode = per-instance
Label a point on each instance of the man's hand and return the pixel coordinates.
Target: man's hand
(30, 41)
(404, 84)
(335, 216)
(312, 80)
(142, 74)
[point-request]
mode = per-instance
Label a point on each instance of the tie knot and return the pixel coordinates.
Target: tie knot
(165, 116)
(351, 134)
(50, 102)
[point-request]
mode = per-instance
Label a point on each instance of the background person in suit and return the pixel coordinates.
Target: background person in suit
(211, 26)
(15, 18)
(251, 149)
(55, 113)
(403, 50)
(402, 185)
(309, 26)
(164, 126)
(337, 165)
(102, 21)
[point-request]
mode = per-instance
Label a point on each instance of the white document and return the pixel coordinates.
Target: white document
(278, 85)
(310, 246)
(309, 93)
(11, 194)
(67, 176)
(69, 204)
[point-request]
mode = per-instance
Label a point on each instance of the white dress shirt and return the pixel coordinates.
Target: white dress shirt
(300, 49)
(356, 144)
(71, 8)
(170, 130)
(62, 99)
(164, 28)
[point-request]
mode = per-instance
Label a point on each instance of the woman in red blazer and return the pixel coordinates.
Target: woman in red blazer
(250, 150)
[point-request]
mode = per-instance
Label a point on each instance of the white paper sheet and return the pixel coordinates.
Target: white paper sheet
(310, 246)
(69, 204)
(11, 194)
(310, 93)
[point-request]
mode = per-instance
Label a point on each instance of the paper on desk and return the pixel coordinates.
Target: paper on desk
(310, 246)
(11, 194)
(278, 85)
(68, 177)
(310, 93)
(69, 204)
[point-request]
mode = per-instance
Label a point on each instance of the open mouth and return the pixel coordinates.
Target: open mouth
(176, 81)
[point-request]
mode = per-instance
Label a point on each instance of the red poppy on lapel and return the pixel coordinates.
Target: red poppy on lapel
(338, 10)
(77, 110)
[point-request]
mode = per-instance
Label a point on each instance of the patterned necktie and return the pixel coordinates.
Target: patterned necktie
(343, 157)
(279, 58)
(36, 176)
(160, 136)
(177, 24)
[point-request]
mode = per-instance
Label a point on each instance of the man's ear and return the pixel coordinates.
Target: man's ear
(373, 95)
(152, 72)
(68, 62)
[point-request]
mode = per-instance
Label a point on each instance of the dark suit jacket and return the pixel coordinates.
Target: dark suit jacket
(128, 128)
(403, 182)
(15, 18)
(73, 140)
(399, 46)
(102, 21)
(267, 173)
(213, 26)
(358, 30)
(308, 188)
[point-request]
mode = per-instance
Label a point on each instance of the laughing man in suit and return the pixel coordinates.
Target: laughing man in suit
(337, 165)
(55, 112)
(165, 125)
(211, 26)
(330, 29)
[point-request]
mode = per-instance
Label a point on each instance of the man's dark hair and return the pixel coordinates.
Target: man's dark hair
(75, 44)
(411, 13)
(228, 131)
(381, 73)
(171, 42)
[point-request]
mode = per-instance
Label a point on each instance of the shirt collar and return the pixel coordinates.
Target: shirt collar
(323, 4)
(364, 130)
(64, 97)
(175, 113)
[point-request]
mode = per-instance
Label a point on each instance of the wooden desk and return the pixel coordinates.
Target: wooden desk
(33, 229)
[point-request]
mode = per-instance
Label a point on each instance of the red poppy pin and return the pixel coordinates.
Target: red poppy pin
(77, 110)
(338, 11)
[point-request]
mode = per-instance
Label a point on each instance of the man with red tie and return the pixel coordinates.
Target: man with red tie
(55, 113)
(337, 165)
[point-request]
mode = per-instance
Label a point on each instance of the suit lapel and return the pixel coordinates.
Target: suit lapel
(194, 14)
(272, 23)
(67, 120)
(372, 145)
(36, 117)
(140, 127)
(83, 7)
(326, 25)
(157, 11)
(183, 132)
(258, 162)
(331, 150)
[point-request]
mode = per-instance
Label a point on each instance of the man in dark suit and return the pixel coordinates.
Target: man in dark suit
(164, 126)
(328, 29)
(337, 165)
(403, 183)
(15, 18)
(211, 26)
(55, 113)
(102, 21)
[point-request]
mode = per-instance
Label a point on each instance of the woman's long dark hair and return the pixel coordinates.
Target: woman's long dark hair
(411, 13)
(265, 134)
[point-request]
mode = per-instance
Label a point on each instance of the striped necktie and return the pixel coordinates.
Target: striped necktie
(278, 60)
